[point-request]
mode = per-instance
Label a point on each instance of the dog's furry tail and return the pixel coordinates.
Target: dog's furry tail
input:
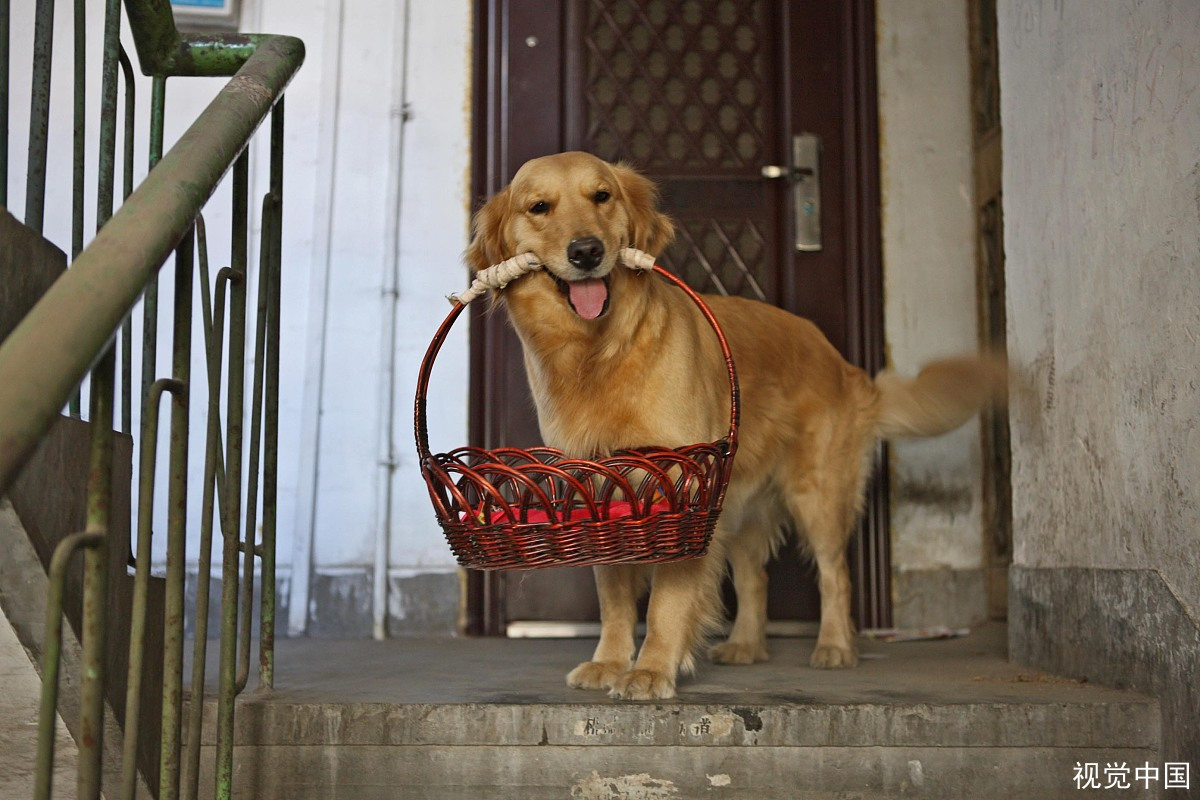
(943, 396)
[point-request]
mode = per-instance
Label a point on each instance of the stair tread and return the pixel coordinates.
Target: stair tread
(446, 691)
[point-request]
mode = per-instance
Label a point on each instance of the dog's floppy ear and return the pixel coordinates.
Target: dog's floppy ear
(488, 245)
(649, 229)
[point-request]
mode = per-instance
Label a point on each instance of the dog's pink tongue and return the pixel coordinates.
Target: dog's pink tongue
(588, 296)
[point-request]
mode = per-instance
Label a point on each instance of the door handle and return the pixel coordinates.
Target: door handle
(805, 175)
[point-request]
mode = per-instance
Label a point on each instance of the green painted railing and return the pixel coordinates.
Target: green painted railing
(83, 321)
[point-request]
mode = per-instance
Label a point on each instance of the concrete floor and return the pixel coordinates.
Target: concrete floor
(971, 669)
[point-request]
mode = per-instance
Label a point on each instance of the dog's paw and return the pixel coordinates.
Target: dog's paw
(738, 653)
(595, 674)
(827, 656)
(643, 684)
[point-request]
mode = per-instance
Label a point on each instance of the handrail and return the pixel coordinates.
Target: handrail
(52, 349)
(166, 53)
(72, 329)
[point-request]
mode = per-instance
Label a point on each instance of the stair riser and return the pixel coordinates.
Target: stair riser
(592, 773)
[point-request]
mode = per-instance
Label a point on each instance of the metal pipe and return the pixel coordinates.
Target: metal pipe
(39, 116)
(391, 298)
(49, 352)
(231, 520)
(130, 120)
(206, 313)
(163, 51)
(141, 585)
(177, 524)
(256, 401)
(158, 102)
(78, 142)
(106, 159)
(191, 759)
(5, 24)
(95, 580)
(79, 138)
(52, 656)
(126, 190)
(266, 662)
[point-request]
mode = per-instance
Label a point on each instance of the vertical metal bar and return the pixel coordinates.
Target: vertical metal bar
(256, 401)
(51, 657)
(39, 115)
(126, 190)
(95, 580)
(107, 156)
(158, 96)
(230, 524)
(79, 138)
(130, 120)
(271, 461)
(141, 585)
(4, 59)
(191, 756)
(206, 310)
(245, 604)
(177, 524)
(158, 107)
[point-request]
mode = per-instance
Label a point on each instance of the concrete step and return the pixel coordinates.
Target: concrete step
(454, 718)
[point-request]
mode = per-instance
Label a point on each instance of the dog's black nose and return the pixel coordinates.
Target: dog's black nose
(585, 253)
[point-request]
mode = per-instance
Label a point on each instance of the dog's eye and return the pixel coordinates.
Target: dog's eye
(601, 197)
(540, 207)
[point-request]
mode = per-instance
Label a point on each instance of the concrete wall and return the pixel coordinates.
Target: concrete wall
(375, 220)
(930, 301)
(1101, 114)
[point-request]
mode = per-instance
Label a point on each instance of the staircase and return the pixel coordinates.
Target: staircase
(491, 718)
(44, 505)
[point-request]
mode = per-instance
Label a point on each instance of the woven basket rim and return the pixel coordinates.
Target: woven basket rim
(463, 532)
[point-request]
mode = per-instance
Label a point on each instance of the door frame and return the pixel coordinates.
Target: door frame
(496, 104)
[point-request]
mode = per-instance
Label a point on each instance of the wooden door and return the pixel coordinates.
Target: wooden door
(699, 95)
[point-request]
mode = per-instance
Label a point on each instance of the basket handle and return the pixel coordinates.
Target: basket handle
(421, 408)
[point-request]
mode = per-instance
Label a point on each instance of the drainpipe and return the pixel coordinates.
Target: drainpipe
(308, 472)
(400, 116)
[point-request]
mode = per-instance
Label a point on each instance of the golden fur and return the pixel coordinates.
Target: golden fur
(649, 371)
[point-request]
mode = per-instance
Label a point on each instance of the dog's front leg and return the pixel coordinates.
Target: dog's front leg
(683, 608)
(618, 588)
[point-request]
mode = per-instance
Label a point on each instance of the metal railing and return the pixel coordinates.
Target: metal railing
(83, 321)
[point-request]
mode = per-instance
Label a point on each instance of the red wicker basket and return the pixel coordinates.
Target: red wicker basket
(510, 508)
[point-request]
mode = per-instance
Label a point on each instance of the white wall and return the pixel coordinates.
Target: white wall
(930, 301)
(1101, 111)
(395, 217)
(350, 192)
(1101, 107)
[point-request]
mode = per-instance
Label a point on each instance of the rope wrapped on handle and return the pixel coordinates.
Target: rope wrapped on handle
(500, 275)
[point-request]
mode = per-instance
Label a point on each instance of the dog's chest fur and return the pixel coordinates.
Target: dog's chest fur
(603, 387)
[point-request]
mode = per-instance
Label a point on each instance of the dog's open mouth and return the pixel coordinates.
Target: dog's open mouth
(588, 297)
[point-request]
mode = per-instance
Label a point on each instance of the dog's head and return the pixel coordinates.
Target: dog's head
(574, 212)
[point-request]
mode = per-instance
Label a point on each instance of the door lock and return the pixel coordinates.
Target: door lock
(805, 175)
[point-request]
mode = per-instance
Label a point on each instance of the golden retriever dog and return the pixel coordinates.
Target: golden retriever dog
(618, 358)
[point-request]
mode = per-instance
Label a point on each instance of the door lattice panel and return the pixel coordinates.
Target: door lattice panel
(719, 257)
(683, 89)
(675, 84)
